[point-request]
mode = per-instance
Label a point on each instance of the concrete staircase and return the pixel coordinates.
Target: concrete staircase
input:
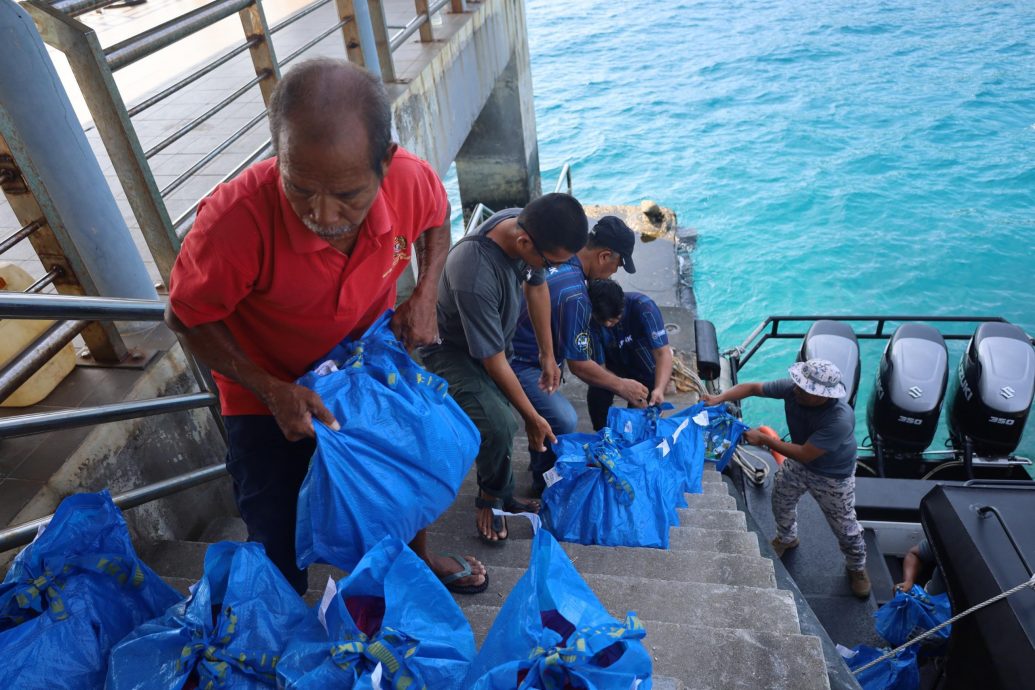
(713, 614)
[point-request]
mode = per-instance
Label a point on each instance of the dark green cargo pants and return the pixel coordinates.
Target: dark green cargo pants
(478, 396)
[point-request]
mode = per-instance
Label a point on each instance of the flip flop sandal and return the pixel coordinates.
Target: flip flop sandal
(513, 505)
(450, 581)
(499, 523)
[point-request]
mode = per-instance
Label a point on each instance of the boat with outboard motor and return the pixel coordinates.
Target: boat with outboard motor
(973, 500)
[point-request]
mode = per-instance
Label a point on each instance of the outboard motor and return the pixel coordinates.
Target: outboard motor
(835, 342)
(903, 412)
(993, 391)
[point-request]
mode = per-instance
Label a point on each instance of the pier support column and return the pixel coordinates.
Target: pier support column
(498, 165)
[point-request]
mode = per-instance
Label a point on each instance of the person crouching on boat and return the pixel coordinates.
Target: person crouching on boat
(631, 342)
(821, 458)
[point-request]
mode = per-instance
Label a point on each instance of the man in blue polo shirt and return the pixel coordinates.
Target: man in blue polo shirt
(609, 247)
(631, 341)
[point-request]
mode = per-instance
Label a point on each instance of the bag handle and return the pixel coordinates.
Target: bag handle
(549, 663)
(205, 647)
(605, 454)
(390, 648)
(32, 593)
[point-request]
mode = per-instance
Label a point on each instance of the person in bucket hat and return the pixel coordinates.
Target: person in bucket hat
(821, 456)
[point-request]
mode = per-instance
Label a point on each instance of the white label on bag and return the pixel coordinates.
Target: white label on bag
(679, 430)
(329, 592)
(628, 426)
(701, 418)
(536, 521)
(664, 447)
(375, 677)
(552, 476)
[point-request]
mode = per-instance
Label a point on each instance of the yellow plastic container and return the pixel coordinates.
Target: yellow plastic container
(17, 334)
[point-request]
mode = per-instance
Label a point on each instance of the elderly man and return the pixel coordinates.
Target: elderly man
(289, 258)
(609, 247)
(821, 458)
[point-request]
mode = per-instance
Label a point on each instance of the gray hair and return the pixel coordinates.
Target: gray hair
(334, 87)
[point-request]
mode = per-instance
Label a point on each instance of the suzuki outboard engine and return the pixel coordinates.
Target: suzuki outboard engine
(993, 390)
(903, 412)
(835, 342)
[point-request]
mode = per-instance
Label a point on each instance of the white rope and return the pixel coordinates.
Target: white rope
(894, 652)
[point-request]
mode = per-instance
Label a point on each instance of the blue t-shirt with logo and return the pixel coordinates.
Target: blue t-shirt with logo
(627, 348)
(570, 315)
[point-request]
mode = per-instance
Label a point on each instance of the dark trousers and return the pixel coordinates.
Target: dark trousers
(482, 400)
(268, 471)
(600, 400)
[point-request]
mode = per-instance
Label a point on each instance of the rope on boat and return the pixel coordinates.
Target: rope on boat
(1030, 584)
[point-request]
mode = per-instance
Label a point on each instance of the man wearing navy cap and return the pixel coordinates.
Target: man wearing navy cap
(610, 247)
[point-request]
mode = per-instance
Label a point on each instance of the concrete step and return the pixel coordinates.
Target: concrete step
(723, 541)
(712, 519)
(677, 566)
(735, 659)
(185, 560)
(707, 604)
(228, 528)
(699, 657)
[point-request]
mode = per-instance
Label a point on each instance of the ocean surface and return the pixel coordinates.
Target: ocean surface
(833, 157)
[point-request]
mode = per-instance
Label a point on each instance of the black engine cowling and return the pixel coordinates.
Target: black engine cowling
(993, 390)
(909, 389)
(835, 342)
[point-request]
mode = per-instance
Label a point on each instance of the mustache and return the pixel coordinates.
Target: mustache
(327, 232)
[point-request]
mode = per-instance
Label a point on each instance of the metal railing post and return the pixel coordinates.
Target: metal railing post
(253, 19)
(80, 45)
(426, 34)
(373, 30)
(350, 32)
(28, 199)
(458, 6)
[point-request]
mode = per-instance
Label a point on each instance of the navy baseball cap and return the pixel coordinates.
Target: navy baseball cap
(613, 233)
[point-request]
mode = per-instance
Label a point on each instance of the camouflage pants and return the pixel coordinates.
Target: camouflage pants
(836, 498)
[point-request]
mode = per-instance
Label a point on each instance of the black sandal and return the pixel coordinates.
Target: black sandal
(513, 505)
(499, 523)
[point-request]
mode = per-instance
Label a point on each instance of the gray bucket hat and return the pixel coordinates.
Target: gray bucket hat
(818, 377)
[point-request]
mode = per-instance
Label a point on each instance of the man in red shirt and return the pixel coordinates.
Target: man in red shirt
(289, 258)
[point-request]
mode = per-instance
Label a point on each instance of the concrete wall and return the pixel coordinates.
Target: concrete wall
(485, 62)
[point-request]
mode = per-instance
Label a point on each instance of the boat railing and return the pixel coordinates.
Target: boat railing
(769, 329)
(482, 212)
(69, 311)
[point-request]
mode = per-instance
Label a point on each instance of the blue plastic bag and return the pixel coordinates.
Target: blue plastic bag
(71, 594)
(229, 633)
(393, 611)
(396, 464)
(611, 495)
(682, 437)
(912, 613)
(722, 436)
(896, 673)
(553, 632)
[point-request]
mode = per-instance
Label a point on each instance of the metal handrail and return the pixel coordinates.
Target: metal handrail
(22, 534)
(564, 180)
(227, 143)
(21, 234)
(193, 76)
(264, 151)
(316, 39)
(205, 116)
(984, 511)
(479, 215)
(137, 47)
(305, 11)
(15, 305)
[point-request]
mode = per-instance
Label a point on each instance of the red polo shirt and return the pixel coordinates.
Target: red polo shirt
(287, 296)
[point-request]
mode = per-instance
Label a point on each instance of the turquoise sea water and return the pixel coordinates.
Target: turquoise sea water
(833, 157)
